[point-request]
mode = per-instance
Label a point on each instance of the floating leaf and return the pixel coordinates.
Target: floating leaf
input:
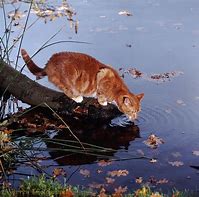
(135, 73)
(162, 181)
(109, 180)
(84, 172)
(58, 172)
(118, 173)
(180, 102)
(104, 163)
(119, 191)
(125, 13)
(153, 141)
(176, 163)
(96, 185)
(139, 180)
(153, 161)
(196, 152)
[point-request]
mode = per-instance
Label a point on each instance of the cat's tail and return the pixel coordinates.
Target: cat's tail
(34, 69)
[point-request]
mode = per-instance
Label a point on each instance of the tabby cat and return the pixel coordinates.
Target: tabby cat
(79, 75)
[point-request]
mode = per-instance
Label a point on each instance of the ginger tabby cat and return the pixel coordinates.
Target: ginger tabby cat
(80, 75)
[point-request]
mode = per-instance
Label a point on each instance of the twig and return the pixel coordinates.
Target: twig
(65, 125)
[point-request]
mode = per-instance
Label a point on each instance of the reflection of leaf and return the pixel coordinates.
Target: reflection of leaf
(176, 163)
(84, 172)
(118, 173)
(196, 152)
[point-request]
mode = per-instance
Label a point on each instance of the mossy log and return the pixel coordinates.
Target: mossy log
(32, 93)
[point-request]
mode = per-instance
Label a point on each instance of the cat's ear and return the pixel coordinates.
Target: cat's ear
(140, 96)
(126, 100)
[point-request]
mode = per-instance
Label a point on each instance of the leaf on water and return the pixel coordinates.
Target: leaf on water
(102, 193)
(139, 180)
(104, 163)
(180, 102)
(153, 141)
(16, 15)
(153, 160)
(135, 73)
(118, 173)
(119, 191)
(109, 180)
(96, 185)
(58, 172)
(196, 152)
(162, 181)
(176, 163)
(84, 172)
(125, 13)
(99, 171)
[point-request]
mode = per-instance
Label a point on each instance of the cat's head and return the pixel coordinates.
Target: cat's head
(129, 104)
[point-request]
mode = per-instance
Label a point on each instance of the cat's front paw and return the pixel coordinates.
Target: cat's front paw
(78, 99)
(103, 103)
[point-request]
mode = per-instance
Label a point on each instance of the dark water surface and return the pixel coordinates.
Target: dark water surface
(161, 36)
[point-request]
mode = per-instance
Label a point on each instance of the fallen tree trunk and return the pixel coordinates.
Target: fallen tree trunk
(32, 93)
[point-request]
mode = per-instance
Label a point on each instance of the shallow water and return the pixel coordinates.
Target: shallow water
(160, 36)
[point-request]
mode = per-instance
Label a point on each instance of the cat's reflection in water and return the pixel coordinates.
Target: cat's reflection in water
(113, 136)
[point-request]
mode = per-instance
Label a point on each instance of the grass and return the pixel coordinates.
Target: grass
(42, 186)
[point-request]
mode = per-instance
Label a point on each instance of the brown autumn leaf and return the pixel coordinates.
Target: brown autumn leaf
(6, 131)
(104, 163)
(118, 173)
(120, 191)
(135, 73)
(96, 185)
(67, 193)
(153, 141)
(109, 180)
(176, 163)
(162, 181)
(139, 180)
(58, 172)
(102, 193)
(85, 172)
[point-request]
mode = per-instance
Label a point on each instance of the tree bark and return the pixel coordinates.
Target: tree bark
(32, 93)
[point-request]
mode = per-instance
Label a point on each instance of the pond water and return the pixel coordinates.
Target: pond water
(161, 36)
